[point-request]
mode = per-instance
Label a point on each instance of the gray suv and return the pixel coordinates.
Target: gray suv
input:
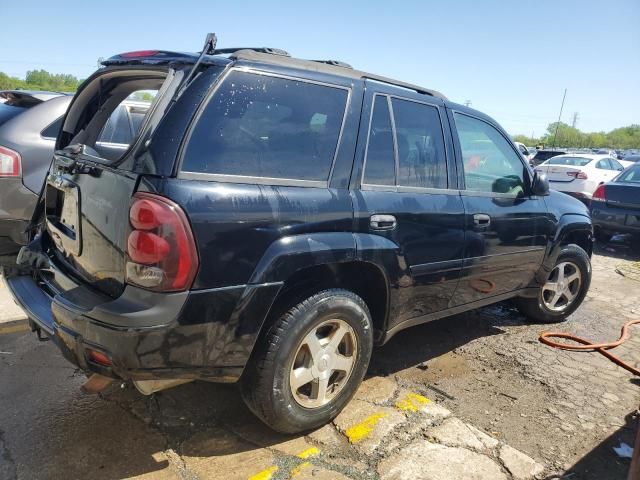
(29, 124)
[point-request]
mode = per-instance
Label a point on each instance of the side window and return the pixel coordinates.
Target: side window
(380, 159)
(603, 164)
(53, 129)
(262, 126)
(421, 153)
(490, 164)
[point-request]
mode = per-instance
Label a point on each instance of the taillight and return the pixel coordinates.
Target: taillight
(99, 358)
(162, 251)
(10, 163)
(599, 193)
(579, 175)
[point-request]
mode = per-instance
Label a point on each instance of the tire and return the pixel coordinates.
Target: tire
(266, 382)
(537, 308)
(601, 236)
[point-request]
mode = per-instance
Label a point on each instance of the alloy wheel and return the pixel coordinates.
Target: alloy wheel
(323, 363)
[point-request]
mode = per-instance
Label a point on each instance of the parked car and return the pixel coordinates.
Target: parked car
(522, 148)
(29, 123)
(32, 121)
(579, 175)
(634, 158)
(274, 219)
(615, 207)
(544, 155)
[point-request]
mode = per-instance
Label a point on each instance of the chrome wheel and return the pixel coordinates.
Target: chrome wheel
(323, 363)
(562, 287)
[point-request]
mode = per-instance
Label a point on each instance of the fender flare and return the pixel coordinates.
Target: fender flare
(568, 224)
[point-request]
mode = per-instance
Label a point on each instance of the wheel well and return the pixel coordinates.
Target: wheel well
(364, 279)
(582, 238)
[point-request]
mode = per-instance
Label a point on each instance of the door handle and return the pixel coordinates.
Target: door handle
(481, 220)
(382, 222)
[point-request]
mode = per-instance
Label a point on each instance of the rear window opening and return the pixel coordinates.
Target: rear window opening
(109, 114)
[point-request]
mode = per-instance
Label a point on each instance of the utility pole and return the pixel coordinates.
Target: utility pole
(559, 117)
(574, 122)
(467, 103)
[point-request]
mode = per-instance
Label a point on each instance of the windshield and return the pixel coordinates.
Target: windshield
(571, 161)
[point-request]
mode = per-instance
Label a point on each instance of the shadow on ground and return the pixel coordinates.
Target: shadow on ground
(602, 462)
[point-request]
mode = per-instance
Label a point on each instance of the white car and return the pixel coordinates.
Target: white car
(522, 148)
(579, 174)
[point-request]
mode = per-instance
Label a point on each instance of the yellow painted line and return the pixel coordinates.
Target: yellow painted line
(266, 474)
(24, 327)
(309, 452)
(296, 470)
(412, 402)
(362, 430)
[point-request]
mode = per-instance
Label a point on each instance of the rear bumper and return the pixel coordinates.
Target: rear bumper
(207, 334)
(615, 220)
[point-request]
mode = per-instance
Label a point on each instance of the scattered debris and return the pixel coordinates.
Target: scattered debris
(624, 450)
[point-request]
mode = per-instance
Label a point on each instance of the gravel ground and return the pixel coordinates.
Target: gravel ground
(473, 396)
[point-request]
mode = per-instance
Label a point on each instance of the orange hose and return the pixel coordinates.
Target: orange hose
(593, 347)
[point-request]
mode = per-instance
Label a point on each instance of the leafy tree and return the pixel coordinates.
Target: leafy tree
(40, 80)
(528, 141)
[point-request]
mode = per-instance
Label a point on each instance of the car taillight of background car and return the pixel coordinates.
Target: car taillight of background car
(10, 163)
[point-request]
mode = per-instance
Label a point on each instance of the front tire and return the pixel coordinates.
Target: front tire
(310, 362)
(564, 290)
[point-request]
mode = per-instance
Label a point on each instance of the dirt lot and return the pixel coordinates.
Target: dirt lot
(430, 394)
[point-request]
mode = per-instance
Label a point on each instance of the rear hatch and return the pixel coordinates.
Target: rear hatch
(92, 180)
(623, 195)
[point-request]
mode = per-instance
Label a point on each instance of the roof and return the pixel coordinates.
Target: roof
(265, 55)
(332, 67)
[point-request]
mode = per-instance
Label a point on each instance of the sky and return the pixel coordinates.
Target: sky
(510, 59)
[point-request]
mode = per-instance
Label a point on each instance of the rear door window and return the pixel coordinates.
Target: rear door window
(266, 126)
(420, 141)
(380, 160)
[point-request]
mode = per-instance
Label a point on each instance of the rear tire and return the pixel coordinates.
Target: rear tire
(601, 236)
(302, 345)
(567, 293)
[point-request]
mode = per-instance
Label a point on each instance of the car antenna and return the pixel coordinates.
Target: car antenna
(208, 49)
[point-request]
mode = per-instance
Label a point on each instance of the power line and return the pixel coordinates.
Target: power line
(559, 117)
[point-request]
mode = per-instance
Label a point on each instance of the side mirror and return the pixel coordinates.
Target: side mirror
(540, 184)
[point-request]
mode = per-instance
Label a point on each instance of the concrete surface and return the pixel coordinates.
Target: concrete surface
(10, 313)
(474, 396)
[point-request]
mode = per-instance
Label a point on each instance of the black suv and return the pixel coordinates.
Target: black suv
(276, 218)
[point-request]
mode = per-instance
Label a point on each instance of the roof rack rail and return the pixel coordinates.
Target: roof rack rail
(269, 50)
(408, 86)
(335, 63)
